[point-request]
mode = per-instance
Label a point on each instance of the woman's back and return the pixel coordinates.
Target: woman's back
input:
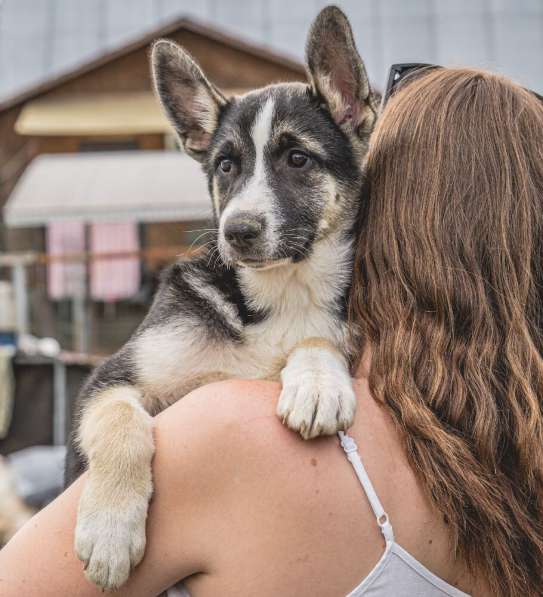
(243, 506)
(293, 519)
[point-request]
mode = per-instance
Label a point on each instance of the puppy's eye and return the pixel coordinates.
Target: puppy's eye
(225, 165)
(298, 159)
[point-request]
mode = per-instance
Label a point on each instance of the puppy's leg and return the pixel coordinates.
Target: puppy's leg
(116, 436)
(317, 396)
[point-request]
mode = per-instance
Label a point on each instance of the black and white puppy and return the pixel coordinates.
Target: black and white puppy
(267, 300)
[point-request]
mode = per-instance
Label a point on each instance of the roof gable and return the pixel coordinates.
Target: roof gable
(183, 24)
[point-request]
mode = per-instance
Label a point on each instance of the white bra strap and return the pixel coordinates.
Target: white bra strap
(351, 450)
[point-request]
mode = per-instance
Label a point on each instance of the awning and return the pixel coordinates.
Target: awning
(93, 114)
(145, 186)
(130, 113)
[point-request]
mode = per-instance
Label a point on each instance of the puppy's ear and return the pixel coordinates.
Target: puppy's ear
(337, 74)
(190, 101)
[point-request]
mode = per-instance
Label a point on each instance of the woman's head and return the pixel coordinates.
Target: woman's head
(448, 293)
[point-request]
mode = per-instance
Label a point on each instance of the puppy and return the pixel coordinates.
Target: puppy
(268, 298)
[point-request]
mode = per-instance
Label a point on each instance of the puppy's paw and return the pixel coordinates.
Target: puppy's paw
(317, 396)
(110, 541)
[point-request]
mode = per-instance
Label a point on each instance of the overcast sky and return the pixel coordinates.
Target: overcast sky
(39, 38)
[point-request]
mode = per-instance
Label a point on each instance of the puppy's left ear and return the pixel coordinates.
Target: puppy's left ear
(337, 74)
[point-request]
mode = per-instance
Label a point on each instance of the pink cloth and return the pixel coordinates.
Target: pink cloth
(65, 279)
(114, 279)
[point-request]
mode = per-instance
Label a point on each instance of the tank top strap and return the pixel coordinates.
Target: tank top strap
(351, 450)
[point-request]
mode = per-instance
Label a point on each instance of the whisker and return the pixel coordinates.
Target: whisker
(198, 238)
(217, 259)
(211, 255)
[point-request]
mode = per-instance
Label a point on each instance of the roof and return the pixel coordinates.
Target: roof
(142, 186)
(184, 23)
(41, 38)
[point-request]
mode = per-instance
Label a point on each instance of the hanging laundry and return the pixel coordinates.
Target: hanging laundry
(65, 279)
(119, 278)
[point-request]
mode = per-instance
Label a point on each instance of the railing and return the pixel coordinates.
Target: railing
(20, 263)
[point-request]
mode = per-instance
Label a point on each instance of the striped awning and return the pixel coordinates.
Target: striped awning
(143, 186)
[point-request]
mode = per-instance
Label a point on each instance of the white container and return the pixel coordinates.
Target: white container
(7, 307)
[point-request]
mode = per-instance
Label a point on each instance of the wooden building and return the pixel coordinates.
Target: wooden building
(108, 104)
(93, 145)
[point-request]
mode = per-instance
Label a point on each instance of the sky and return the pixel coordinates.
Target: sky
(42, 38)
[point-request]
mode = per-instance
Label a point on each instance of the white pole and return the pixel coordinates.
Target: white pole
(21, 296)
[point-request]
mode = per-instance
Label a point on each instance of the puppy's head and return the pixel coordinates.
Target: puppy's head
(283, 162)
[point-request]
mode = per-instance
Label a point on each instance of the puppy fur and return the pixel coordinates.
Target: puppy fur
(267, 299)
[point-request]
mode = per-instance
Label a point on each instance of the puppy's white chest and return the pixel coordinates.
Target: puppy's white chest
(283, 330)
(300, 302)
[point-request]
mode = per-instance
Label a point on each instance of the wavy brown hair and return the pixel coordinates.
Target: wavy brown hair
(448, 294)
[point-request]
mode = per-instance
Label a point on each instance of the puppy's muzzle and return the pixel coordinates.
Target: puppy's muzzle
(244, 232)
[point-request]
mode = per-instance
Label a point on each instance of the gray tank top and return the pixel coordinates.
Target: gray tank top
(397, 573)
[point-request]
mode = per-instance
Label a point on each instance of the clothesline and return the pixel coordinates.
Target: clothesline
(155, 253)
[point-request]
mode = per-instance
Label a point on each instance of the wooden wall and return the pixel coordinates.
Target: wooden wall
(226, 66)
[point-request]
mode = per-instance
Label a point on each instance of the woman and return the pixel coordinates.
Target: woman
(447, 295)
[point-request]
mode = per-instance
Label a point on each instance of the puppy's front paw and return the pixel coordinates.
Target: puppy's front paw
(111, 540)
(317, 396)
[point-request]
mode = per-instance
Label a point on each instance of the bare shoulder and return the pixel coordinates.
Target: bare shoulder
(223, 408)
(230, 429)
(229, 399)
(238, 418)
(227, 439)
(232, 420)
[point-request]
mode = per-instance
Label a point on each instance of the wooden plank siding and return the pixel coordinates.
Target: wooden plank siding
(228, 63)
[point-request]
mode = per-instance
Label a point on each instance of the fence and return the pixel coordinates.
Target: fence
(77, 323)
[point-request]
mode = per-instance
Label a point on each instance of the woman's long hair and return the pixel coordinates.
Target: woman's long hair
(448, 294)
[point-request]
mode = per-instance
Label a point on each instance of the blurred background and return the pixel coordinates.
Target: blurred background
(96, 198)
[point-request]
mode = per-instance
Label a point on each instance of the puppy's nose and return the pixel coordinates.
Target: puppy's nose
(243, 231)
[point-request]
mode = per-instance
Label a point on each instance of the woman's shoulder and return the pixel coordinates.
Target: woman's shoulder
(231, 408)
(239, 416)
(235, 419)
(231, 428)
(222, 449)
(230, 399)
